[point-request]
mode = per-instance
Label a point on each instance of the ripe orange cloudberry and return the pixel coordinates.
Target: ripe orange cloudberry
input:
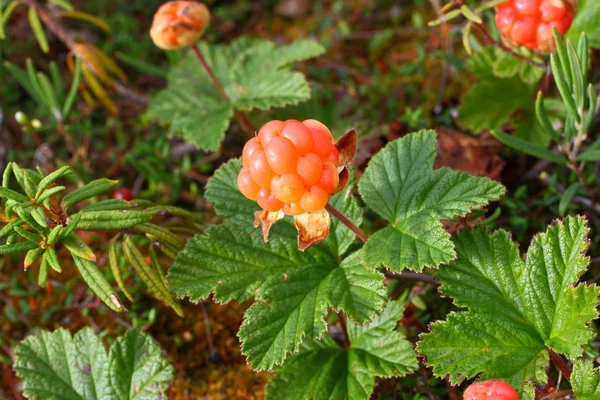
(179, 24)
(290, 166)
(490, 390)
(529, 22)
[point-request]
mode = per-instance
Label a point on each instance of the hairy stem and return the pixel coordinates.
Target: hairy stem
(344, 220)
(242, 118)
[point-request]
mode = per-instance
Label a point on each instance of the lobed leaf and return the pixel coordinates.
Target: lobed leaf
(59, 366)
(517, 309)
(323, 370)
(401, 186)
(254, 74)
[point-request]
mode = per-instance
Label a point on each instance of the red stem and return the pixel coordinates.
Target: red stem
(359, 232)
(560, 364)
(242, 118)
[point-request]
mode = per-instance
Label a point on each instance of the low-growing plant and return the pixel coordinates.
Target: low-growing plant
(318, 248)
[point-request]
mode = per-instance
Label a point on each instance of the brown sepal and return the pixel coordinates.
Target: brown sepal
(312, 228)
(346, 147)
(344, 179)
(266, 219)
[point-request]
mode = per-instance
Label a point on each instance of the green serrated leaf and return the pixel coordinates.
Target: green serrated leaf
(90, 190)
(254, 74)
(98, 283)
(516, 310)
(585, 380)
(111, 220)
(402, 187)
(56, 365)
(156, 283)
(323, 370)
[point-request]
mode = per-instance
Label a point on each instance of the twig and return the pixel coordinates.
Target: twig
(242, 118)
(503, 47)
(560, 364)
(344, 220)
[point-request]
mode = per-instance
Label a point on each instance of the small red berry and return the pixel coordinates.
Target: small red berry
(123, 194)
(291, 166)
(490, 390)
(529, 22)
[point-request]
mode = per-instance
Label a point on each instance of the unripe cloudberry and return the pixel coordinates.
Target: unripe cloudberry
(179, 24)
(290, 166)
(529, 22)
(490, 390)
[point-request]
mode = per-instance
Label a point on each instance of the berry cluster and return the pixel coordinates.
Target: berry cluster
(290, 166)
(493, 389)
(529, 22)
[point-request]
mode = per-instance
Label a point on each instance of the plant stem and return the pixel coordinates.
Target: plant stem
(242, 118)
(560, 364)
(344, 220)
(503, 47)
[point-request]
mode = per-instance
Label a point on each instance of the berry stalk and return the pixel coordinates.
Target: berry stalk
(560, 364)
(344, 220)
(242, 118)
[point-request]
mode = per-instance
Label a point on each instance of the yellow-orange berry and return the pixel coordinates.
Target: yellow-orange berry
(281, 155)
(300, 135)
(179, 24)
(267, 201)
(314, 199)
(287, 188)
(250, 148)
(260, 171)
(247, 186)
(310, 168)
(329, 178)
(269, 131)
(290, 166)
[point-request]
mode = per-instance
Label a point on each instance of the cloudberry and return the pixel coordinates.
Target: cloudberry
(290, 166)
(179, 24)
(490, 390)
(529, 22)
